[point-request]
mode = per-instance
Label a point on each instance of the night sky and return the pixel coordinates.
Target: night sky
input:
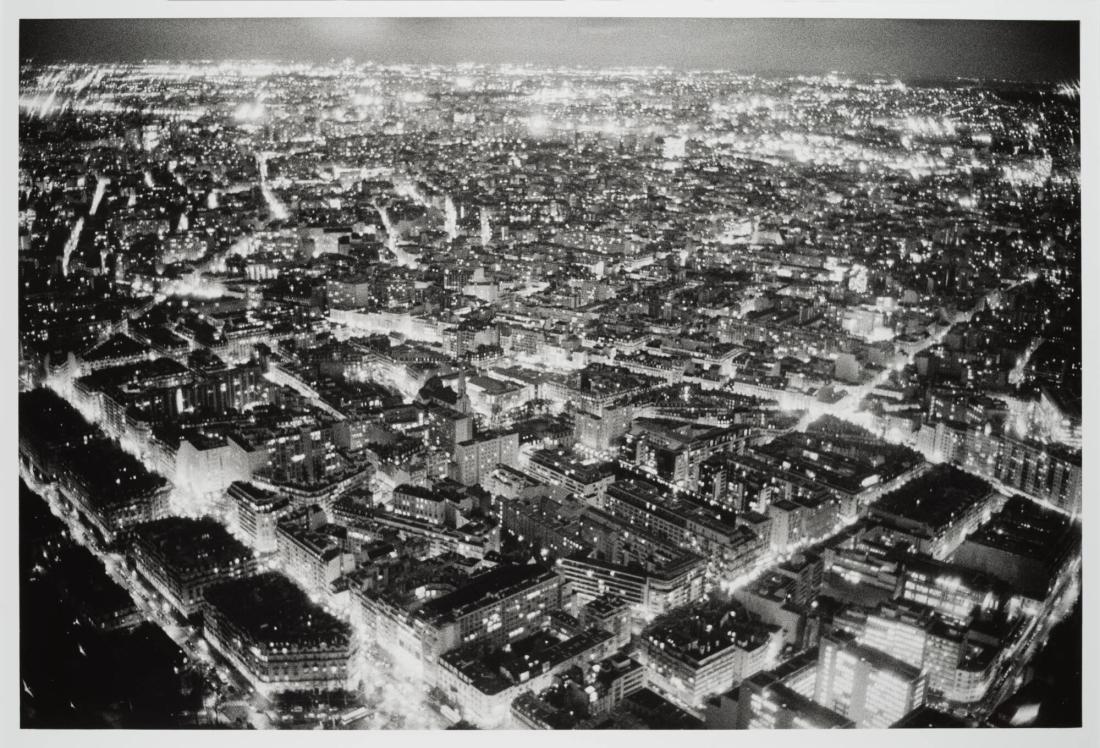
(1017, 50)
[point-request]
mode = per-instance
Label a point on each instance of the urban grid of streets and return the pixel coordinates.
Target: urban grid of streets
(574, 256)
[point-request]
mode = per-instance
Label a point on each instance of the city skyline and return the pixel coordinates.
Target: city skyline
(911, 48)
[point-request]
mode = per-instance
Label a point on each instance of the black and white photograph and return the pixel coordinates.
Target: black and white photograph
(492, 370)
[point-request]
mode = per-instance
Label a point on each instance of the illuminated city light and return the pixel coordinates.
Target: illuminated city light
(473, 337)
(100, 188)
(70, 245)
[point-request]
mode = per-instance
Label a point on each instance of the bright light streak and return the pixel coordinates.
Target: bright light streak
(41, 106)
(274, 204)
(404, 259)
(450, 218)
(100, 187)
(70, 245)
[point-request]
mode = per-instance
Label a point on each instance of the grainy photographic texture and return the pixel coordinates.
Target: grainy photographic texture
(549, 373)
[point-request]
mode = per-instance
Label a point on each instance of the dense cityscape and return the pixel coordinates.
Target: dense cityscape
(365, 396)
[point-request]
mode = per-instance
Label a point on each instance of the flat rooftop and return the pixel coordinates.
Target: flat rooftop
(254, 496)
(606, 604)
(696, 633)
(493, 386)
(271, 609)
(935, 498)
(48, 422)
(494, 671)
(653, 712)
(928, 718)
(187, 544)
(110, 475)
(878, 659)
(1024, 528)
(484, 589)
(116, 376)
(571, 466)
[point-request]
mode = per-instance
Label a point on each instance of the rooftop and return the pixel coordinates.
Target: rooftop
(109, 475)
(647, 710)
(1024, 528)
(115, 376)
(493, 671)
(606, 604)
(253, 495)
(186, 544)
(484, 589)
(116, 346)
(571, 466)
(271, 609)
(695, 633)
(50, 423)
(877, 659)
(935, 498)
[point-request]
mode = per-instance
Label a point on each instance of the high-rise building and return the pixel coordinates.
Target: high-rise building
(960, 662)
(869, 687)
(766, 703)
(476, 459)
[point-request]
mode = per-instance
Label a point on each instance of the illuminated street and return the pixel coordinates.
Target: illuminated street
(571, 386)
